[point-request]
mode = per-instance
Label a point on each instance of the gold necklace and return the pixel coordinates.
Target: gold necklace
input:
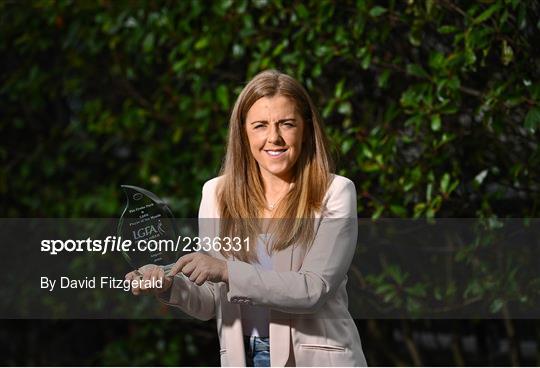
(271, 206)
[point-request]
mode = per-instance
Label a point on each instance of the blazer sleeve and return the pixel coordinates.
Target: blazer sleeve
(324, 267)
(197, 301)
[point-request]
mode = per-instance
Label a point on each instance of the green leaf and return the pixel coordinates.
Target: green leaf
(532, 120)
(378, 212)
(496, 306)
(409, 98)
(382, 79)
(177, 134)
(302, 11)
(474, 289)
(447, 29)
(417, 71)
(397, 274)
(436, 60)
(507, 53)
(384, 289)
(377, 11)
(436, 122)
(366, 61)
(201, 43)
(339, 88)
(148, 43)
(367, 152)
(389, 296)
(345, 108)
(398, 210)
(437, 293)
(279, 49)
(346, 146)
(486, 14)
(445, 182)
(418, 290)
(470, 56)
(223, 96)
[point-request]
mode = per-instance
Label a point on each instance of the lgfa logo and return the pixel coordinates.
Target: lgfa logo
(149, 230)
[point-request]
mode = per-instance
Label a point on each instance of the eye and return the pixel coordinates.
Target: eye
(257, 126)
(288, 124)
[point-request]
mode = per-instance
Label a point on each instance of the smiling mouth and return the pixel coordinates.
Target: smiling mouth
(276, 153)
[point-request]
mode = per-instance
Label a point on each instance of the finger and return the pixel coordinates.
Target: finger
(160, 273)
(189, 268)
(160, 276)
(182, 261)
(146, 268)
(155, 275)
(137, 275)
(130, 275)
(144, 274)
(194, 275)
(201, 279)
(147, 273)
(147, 276)
(135, 289)
(157, 278)
(134, 275)
(163, 278)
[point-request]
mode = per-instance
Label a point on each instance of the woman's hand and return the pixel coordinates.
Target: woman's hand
(200, 268)
(150, 272)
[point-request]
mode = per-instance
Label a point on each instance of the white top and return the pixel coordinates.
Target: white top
(256, 320)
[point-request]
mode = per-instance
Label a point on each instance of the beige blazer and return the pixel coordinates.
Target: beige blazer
(305, 292)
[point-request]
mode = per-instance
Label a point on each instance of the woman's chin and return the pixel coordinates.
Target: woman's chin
(280, 173)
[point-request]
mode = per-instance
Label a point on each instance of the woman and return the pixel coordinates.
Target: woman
(282, 300)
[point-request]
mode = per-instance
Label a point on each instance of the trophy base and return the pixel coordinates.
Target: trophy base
(165, 269)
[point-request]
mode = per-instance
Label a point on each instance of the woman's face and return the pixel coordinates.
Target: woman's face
(275, 130)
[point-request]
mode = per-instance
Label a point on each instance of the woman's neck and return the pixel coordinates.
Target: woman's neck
(274, 185)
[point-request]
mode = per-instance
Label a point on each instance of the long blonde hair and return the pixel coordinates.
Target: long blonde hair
(241, 198)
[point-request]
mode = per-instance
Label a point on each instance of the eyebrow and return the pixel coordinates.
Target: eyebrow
(279, 121)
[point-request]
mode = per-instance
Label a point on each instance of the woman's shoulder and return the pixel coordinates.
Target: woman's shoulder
(211, 185)
(339, 183)
(340, 199)
(208, 207)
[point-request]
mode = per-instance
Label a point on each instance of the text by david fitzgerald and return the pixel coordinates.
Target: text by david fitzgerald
(103, 282)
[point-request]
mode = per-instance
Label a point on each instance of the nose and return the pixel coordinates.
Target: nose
(274, 135)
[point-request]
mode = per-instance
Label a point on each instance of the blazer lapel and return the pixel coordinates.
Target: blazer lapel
(289, 259)
(280, 329)
(232, 329)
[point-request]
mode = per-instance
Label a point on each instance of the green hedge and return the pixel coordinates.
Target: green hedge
(432, 107)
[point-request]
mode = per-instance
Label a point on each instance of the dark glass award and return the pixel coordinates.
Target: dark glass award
(148, 222)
